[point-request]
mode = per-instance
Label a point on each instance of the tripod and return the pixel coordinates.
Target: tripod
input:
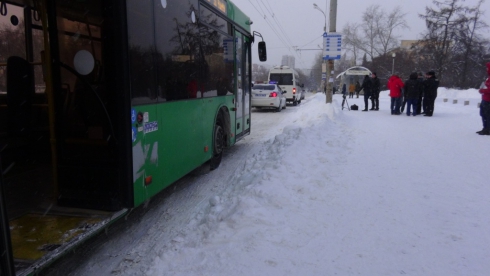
(344, 101)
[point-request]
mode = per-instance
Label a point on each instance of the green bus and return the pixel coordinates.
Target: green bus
(105, 103)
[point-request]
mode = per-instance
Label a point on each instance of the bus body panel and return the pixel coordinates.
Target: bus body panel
(165, 149)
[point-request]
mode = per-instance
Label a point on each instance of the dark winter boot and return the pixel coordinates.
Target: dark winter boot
(485, 131)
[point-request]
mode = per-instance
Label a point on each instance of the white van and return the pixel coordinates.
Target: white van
(288, 79)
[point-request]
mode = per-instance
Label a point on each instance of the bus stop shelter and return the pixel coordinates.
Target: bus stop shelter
(352, 76)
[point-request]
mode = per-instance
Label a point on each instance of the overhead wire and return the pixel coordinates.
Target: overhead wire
(268, 23)
(284, 34)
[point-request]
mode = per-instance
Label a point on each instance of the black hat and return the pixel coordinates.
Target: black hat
(431, 73)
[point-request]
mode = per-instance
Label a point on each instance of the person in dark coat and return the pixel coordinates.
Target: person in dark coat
(485, 104)
(420, 110)
(412, 88)
(375, 91)
(430, 92)
(367, 85)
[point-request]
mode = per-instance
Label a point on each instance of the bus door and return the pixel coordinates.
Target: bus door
(242, 124)
(90, 99)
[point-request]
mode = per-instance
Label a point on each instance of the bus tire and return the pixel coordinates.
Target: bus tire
(219, 142)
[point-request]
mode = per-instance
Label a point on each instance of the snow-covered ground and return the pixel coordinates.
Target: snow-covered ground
(317, 190)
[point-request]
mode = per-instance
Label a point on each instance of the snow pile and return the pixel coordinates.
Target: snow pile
(277, 180)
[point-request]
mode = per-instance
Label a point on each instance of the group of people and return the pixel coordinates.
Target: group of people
(417, 93)
(371, 87)
(354, 88)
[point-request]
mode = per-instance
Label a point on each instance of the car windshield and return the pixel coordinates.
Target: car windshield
(263, 87)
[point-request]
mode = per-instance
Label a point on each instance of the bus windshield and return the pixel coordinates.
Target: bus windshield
(282, 79)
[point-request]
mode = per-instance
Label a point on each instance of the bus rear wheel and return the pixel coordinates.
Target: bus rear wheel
(219, 143)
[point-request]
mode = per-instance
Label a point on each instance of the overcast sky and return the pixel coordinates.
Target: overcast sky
(301, 25)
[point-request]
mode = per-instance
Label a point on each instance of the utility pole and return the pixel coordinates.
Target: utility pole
(332, 29)
(324, 66)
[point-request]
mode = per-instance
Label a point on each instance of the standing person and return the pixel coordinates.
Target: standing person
(344, 89)
(485, 104)
(375, 91)
(352, 89)
(430, 92)
(358, 88)
(420, 110)
(395, 85)
(412, 93)
(367, 85)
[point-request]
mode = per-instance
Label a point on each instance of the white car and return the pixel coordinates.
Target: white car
(268, 96)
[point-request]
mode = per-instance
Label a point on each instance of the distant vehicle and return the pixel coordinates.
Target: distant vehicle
(268, 96)
(288, 79)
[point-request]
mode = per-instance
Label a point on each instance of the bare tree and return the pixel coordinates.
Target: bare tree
(386, 36)
(375, 36)
(470, 45)
(371, 23)
(352, 39)
(442, 25)
(454, 43)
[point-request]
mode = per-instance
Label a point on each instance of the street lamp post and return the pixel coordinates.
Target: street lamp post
(315, 6)
(393, 66)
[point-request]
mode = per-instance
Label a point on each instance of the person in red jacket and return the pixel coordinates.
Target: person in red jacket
(485, 104)
(395, 84)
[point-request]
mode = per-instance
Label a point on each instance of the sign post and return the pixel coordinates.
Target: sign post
(332, 49)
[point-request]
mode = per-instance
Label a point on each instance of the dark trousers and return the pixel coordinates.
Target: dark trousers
(419, 106)
(351, 94)
(412, 103)
(366, 100)
(375, 103)
(429, 105)
(395, 105)
(485, 114)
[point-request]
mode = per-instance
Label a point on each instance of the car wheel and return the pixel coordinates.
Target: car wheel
(279, 108)
(295, 103)
(219, 142)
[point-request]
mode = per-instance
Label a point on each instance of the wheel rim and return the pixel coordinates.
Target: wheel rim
(219, 139)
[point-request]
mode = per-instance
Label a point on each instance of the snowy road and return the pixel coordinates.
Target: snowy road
(323, 191)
